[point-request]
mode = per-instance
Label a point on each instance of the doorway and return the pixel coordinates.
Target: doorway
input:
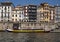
(15, 26)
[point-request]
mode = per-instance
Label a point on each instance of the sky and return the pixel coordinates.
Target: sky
(36, 2)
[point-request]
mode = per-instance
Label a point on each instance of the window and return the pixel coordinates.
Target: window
(2, 15)
(29, 10)
(26, 7)
(12, 15)
(29, 7)
(19, 19)
(26, 10)
(5, 8)
(5, 14)
(8, 8)
(19, 15)
(26, 14)
(18, 12)
(33, 7)
(16, 15)
(8, 14)
(33, 10)
(15, 19)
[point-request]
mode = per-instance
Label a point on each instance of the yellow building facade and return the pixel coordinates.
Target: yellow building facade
(45, 13)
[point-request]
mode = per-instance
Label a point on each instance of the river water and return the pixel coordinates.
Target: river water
(29, 37)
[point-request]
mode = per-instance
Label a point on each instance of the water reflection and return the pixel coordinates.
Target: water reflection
(29, 37)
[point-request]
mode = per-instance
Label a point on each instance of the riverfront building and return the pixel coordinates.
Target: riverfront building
(45, 13)
(5, 14)
(17, 14)
(5, 11)
(57, 15)
(30, 13)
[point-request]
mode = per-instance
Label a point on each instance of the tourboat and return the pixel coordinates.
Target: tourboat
(27, 31)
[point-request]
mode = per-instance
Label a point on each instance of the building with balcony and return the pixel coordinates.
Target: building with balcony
(45, 13)
(6, 11)
(5, 14)
(30, 13)
(57, 13)
(17, 14)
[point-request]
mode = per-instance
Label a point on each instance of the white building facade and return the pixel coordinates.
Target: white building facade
(57, 14)
(17, 14)
(5, 11)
